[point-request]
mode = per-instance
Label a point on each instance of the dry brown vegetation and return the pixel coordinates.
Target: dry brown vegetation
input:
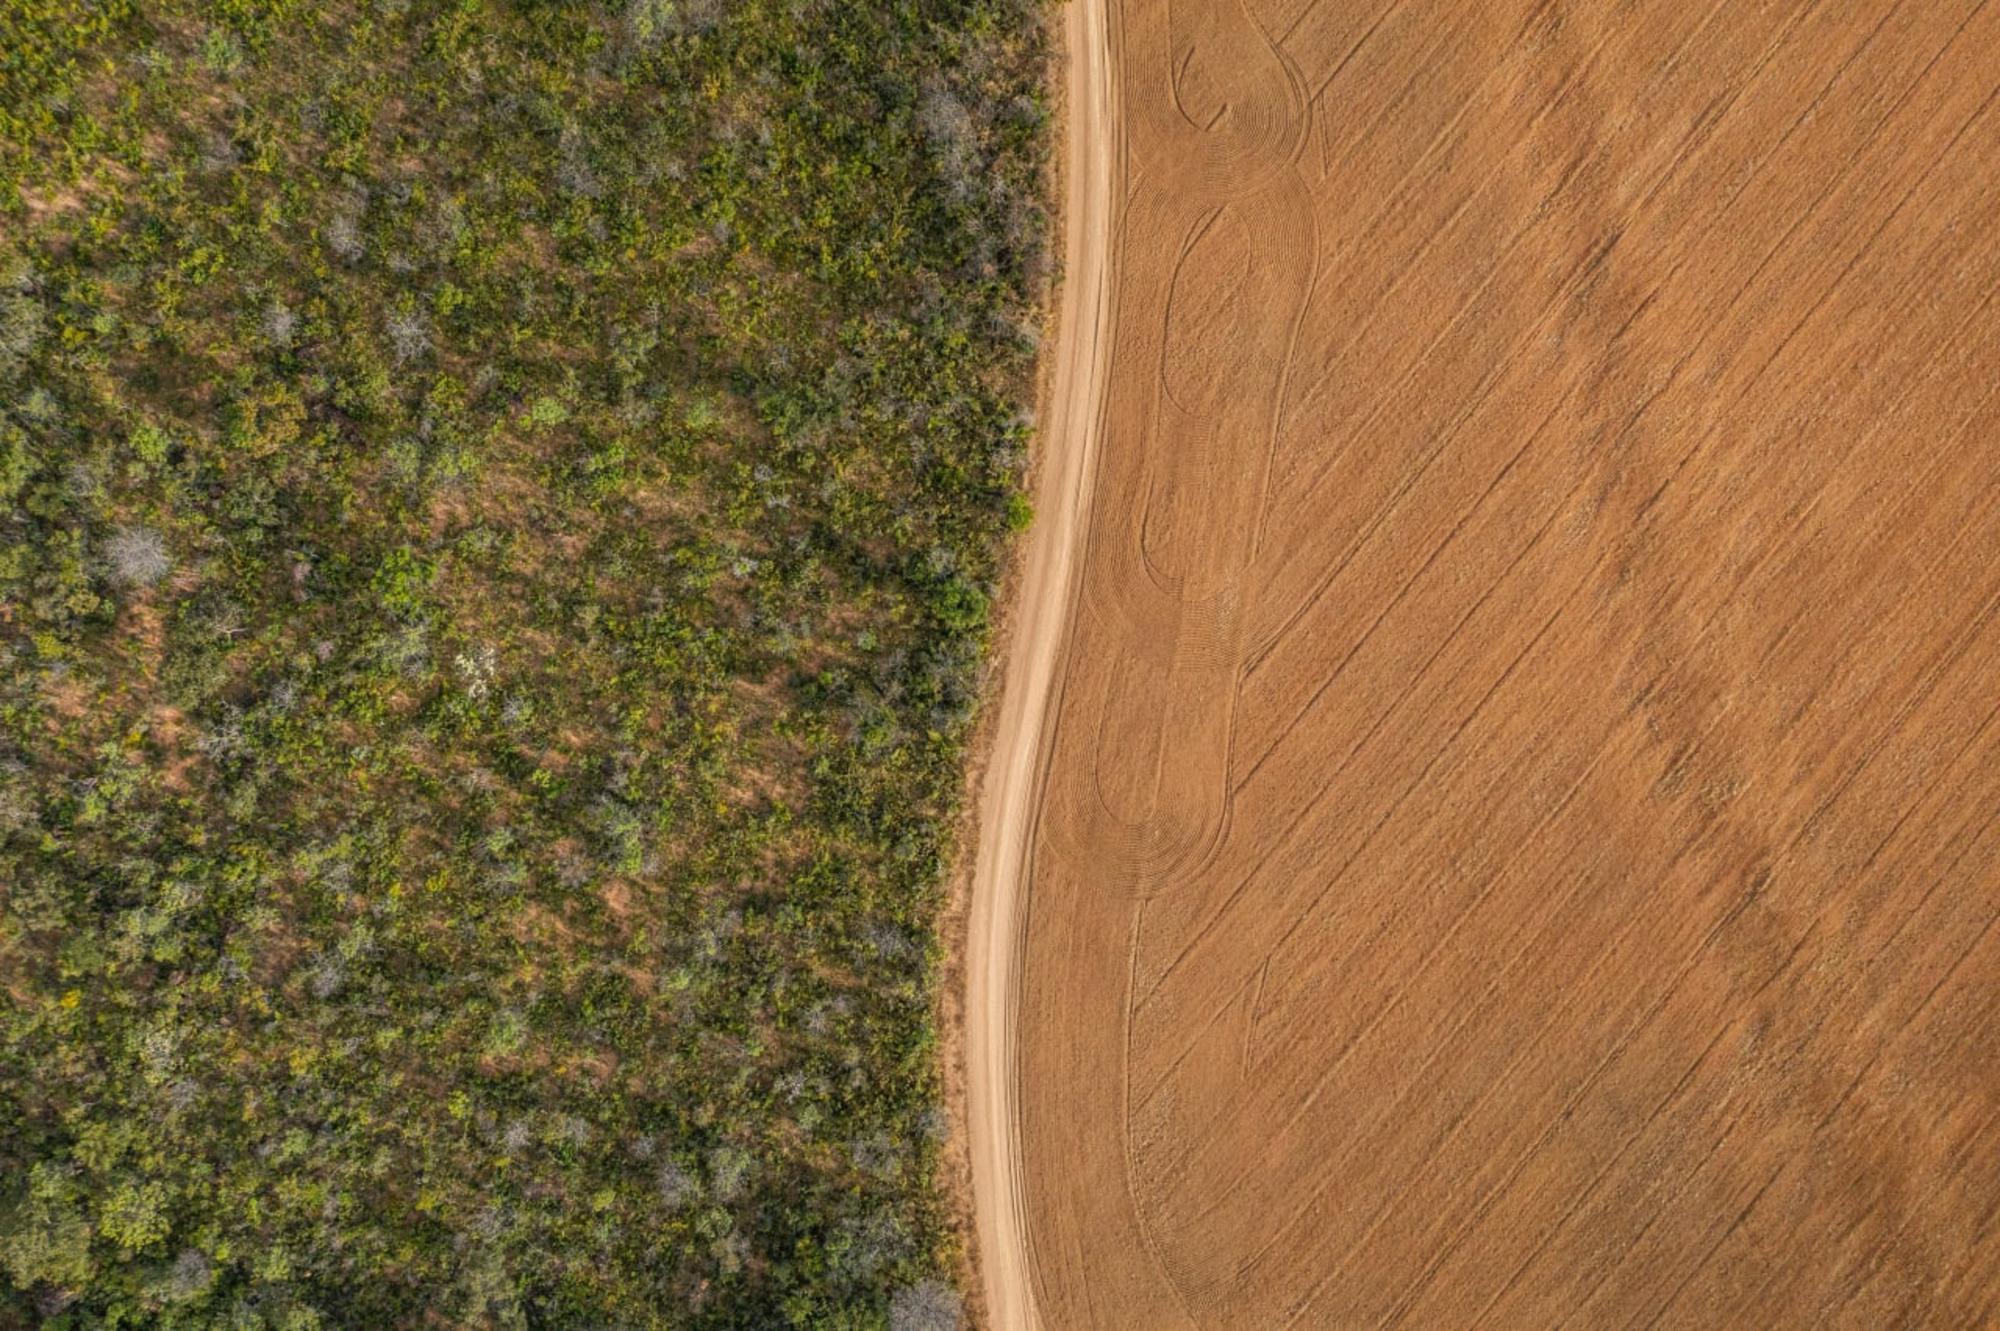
(1515, 844)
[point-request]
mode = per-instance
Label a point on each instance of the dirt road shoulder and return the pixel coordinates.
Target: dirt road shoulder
(1070, 420)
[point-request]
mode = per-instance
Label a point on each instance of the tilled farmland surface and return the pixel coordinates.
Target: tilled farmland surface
(1516, 840)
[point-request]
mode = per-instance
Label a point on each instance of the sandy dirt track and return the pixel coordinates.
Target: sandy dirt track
(1511, 840)
(1071, 410)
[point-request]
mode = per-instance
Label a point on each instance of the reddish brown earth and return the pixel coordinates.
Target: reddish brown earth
(1513, 839)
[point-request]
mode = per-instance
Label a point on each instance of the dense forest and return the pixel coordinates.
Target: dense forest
(499, 504)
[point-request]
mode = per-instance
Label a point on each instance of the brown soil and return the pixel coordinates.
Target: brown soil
(1071, 401)
(1512, 842)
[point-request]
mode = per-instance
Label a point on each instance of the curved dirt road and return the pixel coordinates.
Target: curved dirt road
(1071, 423)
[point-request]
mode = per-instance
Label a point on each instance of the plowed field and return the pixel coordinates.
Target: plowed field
(1515, 839)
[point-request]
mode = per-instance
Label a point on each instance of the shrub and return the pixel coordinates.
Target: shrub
(409, 336)
(138, 556)
(928, 1305)
(21, 322)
